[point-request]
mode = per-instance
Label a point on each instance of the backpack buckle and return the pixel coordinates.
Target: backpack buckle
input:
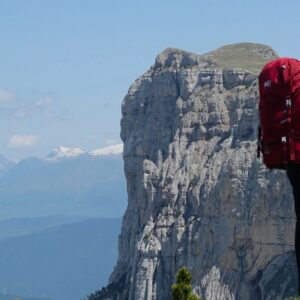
(288, 102)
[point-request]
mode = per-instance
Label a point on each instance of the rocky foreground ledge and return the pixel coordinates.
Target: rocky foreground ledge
(197, 195)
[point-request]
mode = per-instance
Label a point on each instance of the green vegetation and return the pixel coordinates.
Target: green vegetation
(182, 290)
(233, 56)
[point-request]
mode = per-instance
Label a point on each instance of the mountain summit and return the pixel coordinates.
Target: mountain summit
(197, 195)
(64, 152)
(247, 56)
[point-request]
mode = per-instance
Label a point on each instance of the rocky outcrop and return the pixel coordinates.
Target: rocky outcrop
(197, 195)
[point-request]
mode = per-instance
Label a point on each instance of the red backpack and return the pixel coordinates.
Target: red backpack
(279, 111)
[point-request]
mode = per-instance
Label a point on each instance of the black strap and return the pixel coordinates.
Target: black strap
(258, 141)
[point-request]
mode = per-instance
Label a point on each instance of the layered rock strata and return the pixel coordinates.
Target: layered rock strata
(197, 194)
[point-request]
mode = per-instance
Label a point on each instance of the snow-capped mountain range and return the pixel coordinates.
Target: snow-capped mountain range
(64, 152)
(68, 181)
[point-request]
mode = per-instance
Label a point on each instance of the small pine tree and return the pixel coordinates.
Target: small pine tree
(182, 290)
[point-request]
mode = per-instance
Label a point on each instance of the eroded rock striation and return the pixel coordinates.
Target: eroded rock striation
(197, 194)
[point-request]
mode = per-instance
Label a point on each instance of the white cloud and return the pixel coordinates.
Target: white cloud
(18, 141)
(6, 96)
(108, 150)
(43, 103)
(23, 108)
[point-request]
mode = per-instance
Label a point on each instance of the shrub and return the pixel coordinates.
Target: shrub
(182, 290)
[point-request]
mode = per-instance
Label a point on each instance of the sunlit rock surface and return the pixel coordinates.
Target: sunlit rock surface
(197, 195)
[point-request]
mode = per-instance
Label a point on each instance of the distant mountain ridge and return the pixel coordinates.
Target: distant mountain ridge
(14, 297)
(65, 152)
(69, 181)
(61, 262)
(23, 226)
(62, 152)
(5, 164)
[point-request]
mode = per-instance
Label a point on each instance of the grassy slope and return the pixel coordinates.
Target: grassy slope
(248, 56)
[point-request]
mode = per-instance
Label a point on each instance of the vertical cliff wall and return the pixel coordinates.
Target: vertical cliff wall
(197, 195)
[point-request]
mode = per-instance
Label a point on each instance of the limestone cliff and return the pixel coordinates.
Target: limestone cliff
(197, 195)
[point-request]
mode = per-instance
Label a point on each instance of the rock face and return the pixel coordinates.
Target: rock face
(197, 195)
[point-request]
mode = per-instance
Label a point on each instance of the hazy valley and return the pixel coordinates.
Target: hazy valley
(59, 223)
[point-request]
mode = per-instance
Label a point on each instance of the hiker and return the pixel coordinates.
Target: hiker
(279, 132)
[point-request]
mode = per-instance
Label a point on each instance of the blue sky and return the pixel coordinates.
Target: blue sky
(66, 65)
